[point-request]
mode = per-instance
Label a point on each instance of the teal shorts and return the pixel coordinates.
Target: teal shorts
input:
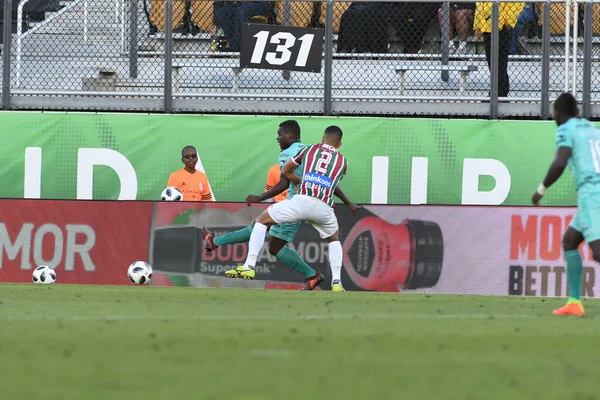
(587, 219)
(285, 231)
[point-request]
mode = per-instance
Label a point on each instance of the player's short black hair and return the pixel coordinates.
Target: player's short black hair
(291, 126)
(187, 148)
(566, 104)
(334, 131)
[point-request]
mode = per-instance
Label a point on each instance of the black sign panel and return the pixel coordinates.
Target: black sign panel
(286, 48)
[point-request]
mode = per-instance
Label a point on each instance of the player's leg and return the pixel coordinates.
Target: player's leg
(211, 241)
(325, 222)
(571, 241)
(285, 212)
(585, 226)
(336, 256)
(255, 243)
(595, 246)
(281, 235)
(589, 211)
(257, 237)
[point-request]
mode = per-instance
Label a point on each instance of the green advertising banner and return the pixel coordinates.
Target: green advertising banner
(399, 161)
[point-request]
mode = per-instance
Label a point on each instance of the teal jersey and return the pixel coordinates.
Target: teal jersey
(584, 140)
(285, 155)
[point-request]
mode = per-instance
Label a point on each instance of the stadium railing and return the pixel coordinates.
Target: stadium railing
(388, 57)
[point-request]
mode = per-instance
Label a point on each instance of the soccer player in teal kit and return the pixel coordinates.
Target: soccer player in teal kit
(323, 167)
(288, 136)
(578, 146)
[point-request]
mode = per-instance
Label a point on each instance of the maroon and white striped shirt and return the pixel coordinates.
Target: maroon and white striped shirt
(324, 168)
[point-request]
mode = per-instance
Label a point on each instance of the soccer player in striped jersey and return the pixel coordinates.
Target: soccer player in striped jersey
(323, 167)
(288, 137)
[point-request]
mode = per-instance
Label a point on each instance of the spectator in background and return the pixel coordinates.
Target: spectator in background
(461, 18)
(272, 179)
(528, 15)
(411, 21)
(482, 24)
(364, 28)
(230, 15)
(191, 182)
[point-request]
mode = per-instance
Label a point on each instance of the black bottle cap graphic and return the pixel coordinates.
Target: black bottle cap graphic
(427, 254)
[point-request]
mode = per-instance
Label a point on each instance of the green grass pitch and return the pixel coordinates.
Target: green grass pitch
(91, 342)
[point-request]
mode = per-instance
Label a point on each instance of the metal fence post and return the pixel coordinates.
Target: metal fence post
(133, 38)
(575, 39)
(168, 91)
(494, 53)
(327, 109)
(287, 21)
(567, 39)
(587, 60)
(545, 111)
(445, 38)
(7, 36)
(287, 13)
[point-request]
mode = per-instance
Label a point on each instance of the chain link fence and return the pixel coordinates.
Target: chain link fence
(485, 58)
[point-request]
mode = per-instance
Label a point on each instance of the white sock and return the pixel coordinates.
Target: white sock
(257, 239)
(335, 260)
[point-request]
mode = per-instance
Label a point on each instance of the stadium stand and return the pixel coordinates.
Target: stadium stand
(34, 11)
(193, 20)
(89, 49)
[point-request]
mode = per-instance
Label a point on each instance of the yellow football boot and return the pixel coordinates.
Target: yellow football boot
(241, 272)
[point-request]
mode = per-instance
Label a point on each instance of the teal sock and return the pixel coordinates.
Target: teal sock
(574, 274)
(240, 236)
(293, 259)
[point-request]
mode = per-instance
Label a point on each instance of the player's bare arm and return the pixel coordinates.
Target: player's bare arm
(279, 187)
(288, 171)
(353, 207)
(555, 171)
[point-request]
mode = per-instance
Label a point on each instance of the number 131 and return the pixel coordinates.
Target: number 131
(282, 53)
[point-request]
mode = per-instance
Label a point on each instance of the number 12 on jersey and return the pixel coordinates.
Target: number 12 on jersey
(281, 47)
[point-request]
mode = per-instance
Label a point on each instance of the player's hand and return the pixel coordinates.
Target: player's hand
(535, 199)
(353, 207)
(252, 199)
(478, 35)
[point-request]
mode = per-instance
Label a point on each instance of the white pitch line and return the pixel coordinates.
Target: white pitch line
(262, 317)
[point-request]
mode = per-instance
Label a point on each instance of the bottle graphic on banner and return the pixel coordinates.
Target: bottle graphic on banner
(378, 255)
(381, 256)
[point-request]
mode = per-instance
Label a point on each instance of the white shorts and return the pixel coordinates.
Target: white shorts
(306, 208)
